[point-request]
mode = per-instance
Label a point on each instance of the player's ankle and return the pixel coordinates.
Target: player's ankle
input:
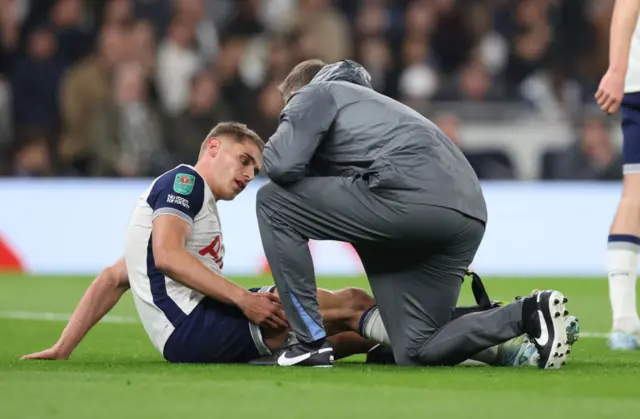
(626, 324)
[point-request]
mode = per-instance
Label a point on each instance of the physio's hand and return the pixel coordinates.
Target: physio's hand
(263, 308)
(53, 353)
(610, 91)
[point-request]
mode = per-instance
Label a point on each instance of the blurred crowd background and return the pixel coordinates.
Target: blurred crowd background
(127, 88)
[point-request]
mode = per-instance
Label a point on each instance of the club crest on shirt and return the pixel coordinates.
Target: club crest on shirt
(183, 184)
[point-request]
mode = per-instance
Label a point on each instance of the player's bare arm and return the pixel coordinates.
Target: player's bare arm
(623, 23)
(170, 234)
(99, 299)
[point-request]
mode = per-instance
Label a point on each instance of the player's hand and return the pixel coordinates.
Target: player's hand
(264, 308)
(610, 92)
(52, 353)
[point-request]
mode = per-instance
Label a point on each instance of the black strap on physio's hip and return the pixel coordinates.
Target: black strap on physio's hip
(479, 292)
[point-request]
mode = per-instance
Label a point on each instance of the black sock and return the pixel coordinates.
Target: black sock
(530, 325)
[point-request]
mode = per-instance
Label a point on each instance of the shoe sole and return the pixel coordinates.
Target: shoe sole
(560, 347)
(573, 335)
(573, 331)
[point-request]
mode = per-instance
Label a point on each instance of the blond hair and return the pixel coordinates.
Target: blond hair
(236, 130)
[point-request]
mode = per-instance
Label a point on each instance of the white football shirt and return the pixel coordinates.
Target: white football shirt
(632, 79)
(163, 303)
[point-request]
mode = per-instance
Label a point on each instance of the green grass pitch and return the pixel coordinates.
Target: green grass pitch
(116, 373)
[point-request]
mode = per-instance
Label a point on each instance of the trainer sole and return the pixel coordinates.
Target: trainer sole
(560, 346)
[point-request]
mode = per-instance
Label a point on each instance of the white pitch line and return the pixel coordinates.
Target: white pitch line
(591, 335)
(60, 317)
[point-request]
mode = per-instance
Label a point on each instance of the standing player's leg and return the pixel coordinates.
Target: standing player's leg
(289, 258)
(624, 237)
(314, 208)
(417, 287)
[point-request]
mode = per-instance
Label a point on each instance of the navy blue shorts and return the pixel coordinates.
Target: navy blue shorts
(215, 333)
(631, 132)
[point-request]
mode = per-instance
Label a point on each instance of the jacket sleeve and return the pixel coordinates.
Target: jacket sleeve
(303, 123)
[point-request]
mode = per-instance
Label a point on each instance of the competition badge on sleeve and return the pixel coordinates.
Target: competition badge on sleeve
(184, 183)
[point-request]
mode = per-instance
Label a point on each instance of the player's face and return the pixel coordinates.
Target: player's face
(233, 167)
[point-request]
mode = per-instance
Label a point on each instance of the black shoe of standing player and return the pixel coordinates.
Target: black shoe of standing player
(314, 354)
(543, 318)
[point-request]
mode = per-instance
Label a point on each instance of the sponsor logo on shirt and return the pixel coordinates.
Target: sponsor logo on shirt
(172, 199)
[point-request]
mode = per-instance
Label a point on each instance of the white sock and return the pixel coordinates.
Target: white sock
(374, 329)
(622, 265)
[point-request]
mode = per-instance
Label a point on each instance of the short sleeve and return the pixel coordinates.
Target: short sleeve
(179, 192)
